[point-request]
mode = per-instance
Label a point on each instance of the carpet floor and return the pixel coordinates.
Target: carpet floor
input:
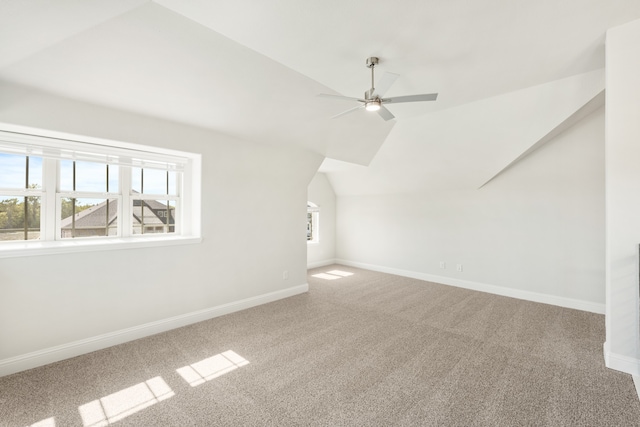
(361, 348)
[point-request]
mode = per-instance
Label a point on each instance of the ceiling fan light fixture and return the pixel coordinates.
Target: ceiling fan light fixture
(373, 105)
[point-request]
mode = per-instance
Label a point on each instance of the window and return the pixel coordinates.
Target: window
(313, 223)
(20, 197)
(87, 199)
(58, 189)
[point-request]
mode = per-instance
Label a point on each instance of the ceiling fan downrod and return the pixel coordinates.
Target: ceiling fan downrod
(371, 63)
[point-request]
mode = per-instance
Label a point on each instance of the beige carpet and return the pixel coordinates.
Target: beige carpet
(367, 349)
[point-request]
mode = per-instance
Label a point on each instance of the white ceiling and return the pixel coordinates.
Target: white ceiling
(252, 68)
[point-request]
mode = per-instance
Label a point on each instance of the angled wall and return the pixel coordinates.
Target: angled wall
(622, 349)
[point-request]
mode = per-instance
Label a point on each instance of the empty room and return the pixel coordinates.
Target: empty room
(322, 213)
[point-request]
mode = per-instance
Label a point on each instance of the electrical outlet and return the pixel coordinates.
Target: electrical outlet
(459, 268)
(443, 264)
(285, 275)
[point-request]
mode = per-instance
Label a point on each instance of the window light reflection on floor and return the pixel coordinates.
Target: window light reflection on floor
(121, 404)
(212, 367)
(333, 275)
(326, 276)
(340, 273)
(49, 422)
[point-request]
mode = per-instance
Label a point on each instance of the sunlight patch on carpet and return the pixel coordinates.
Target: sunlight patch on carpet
(212, 367)
(340, 273)
(116, 406)
(49, 422)
(326, 276)
(332, 275)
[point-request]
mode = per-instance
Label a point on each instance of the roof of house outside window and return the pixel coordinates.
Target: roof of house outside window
(95, 216)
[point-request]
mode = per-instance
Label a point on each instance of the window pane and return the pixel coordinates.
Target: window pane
(153, 181)
(35, 172)
(13, 169)
(90, 176)
(88, 217)
(114, 178)
(136, 180)
(173, 183)
(66, 175)
(12, 218)
(153, 216)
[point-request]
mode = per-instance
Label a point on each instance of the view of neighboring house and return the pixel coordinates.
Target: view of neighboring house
(149, 216)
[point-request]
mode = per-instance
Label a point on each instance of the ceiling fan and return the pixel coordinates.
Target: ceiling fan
(373, 98)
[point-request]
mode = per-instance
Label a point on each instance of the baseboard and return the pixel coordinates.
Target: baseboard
(322, 263)
(77, 348)
(624, 364)
(483, 287)
(621, 363)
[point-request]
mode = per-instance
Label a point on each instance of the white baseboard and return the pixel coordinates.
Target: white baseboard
(322, 263)
(87, 345)
(621, 363)
(483, 287)
(636, 381)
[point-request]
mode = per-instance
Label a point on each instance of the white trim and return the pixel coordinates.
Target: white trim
(87, 345)
(322, 263)
(620, 362)
(44, 143)
(91, 244)
(636, 381)
(483, 287)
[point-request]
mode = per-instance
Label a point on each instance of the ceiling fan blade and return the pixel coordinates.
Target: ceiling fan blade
(385, 114)
(411, 98)
(385, 83)
(339, 97)
(350, 110)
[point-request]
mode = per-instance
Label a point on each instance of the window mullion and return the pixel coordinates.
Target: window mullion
(125, 213)
(26, 201)
(182, 184)
(48, 213)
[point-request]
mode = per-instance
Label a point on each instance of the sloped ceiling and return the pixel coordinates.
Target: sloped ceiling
(252, 68)
(463, 147)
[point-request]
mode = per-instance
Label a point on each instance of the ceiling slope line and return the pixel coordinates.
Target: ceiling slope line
(589, 107)
(8, 59)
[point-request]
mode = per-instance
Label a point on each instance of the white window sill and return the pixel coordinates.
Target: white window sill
(34, 248)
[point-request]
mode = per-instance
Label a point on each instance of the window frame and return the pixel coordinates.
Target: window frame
(314, 210)
(25, 194)
(187, 224)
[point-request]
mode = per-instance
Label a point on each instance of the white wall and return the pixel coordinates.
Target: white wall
(321, 193)
(536, 231)
(622, 350)
(253, 201)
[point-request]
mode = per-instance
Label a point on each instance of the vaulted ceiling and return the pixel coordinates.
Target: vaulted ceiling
(252, 68)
